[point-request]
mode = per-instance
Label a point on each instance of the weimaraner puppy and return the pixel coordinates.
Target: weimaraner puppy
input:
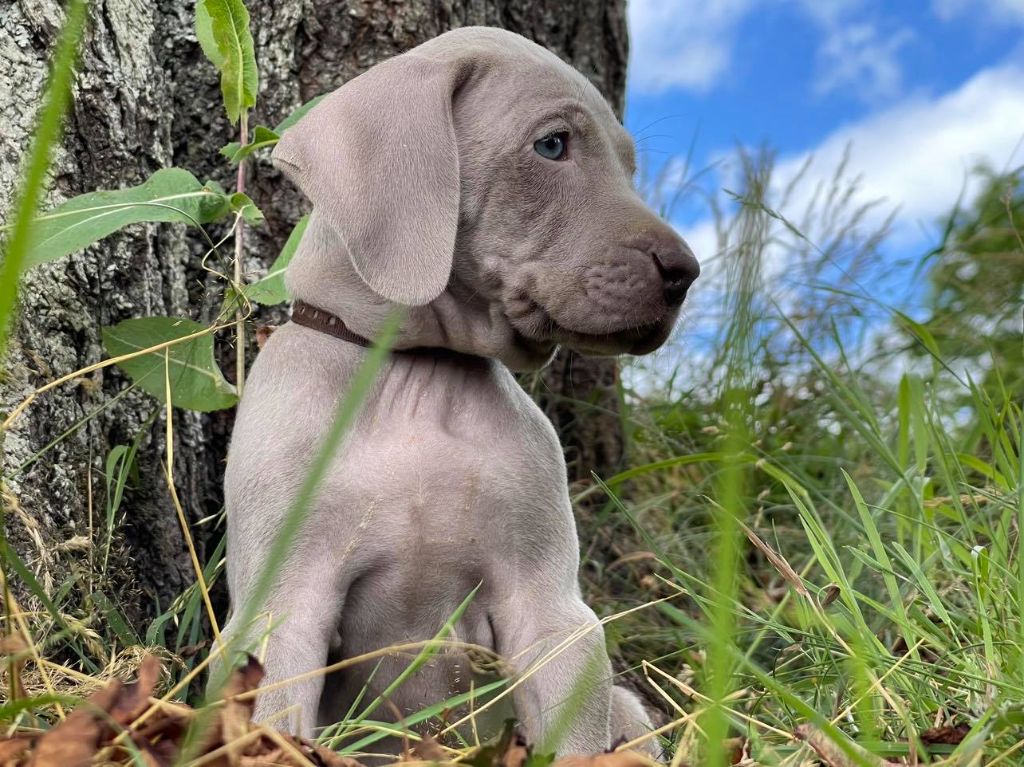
(484, 184)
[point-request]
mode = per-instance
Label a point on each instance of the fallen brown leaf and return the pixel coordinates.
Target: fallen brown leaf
(133, 699)
(329, 758)
(516, 753)
(236, 717)
(427, 750)
(950, 735)
(609, 759)
(737, 748)
(103, 729)
(12, 750)
(74, 741)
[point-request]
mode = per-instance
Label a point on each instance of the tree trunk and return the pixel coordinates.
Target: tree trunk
(145, 98)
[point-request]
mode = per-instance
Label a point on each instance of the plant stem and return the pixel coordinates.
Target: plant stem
(239, 243)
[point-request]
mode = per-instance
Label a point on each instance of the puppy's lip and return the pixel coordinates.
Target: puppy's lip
(538, 324)
(637, 340)
(658, 335)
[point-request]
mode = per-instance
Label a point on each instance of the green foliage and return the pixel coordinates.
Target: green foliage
(171, 195)
(270, 290)
(885, 594)
(222, 27)
(196, 381)
(263, 137)
(976, 278)
(243, 205)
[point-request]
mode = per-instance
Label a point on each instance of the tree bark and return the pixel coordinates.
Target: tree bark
(145, 98)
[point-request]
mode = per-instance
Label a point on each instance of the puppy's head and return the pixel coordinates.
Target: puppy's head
(481, 166)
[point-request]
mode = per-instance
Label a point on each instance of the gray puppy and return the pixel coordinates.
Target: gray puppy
(486, 185)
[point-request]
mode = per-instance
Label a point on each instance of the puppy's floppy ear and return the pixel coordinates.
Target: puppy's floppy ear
(378, 160)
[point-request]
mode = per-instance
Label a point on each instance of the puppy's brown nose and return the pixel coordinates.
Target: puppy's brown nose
(678, 269)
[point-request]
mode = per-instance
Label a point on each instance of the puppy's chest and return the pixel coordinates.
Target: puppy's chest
(458, 474)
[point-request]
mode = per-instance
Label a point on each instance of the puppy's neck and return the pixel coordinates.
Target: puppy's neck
(321, 274)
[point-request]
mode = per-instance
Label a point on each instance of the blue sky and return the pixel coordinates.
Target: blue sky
(919, 89)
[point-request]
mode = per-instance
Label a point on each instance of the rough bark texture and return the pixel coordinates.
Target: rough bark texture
(144, 99)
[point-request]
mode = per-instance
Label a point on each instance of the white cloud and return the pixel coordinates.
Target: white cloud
(856, 57)
(830, 12)
(997, 11)
(917, 154)
(689, 44)
(677, 45)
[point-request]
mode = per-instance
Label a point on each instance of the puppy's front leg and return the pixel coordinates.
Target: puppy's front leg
(563, 698)
(303, 621)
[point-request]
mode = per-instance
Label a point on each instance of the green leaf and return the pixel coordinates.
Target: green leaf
(920, 332)
(222, 28)
(196, 381)
(171, 194)
(242, 203)
(298, 114)
(270, 290)
(262, 137)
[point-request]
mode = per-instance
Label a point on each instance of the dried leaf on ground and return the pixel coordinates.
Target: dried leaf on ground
(133, 699)
(121, 723)
(12, 750)
(950, 735)
(509, 750)
(738, 750)
(75, 740)
(427, 750)
(609, 759)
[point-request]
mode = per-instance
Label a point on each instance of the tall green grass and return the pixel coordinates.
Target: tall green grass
(879, 595)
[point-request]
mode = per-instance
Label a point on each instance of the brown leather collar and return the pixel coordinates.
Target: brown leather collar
(319, 319)
(325, 322)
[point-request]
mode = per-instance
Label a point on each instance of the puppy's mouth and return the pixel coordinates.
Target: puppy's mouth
(531, 320)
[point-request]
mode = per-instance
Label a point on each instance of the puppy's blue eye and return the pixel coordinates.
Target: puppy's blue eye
(552, 147)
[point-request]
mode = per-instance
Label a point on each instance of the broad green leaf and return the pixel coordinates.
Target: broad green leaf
(196, 381)
(204, 34)
(270, 290)
(262, 137)
(222, 28)
(171, 194)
